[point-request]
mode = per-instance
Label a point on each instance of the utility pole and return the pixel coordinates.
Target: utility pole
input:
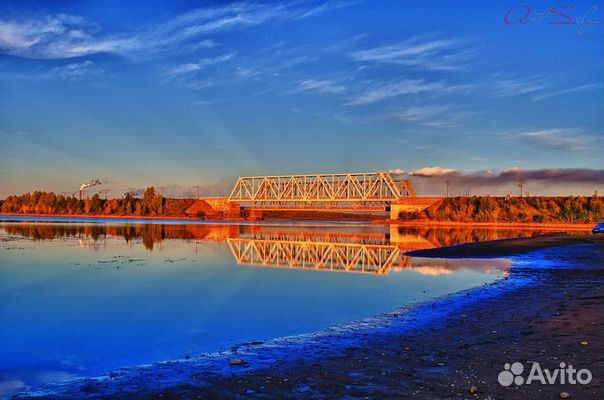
(196, 192)
(447, 182)
(521, 183)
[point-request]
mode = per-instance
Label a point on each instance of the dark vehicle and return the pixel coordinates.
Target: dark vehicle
(599, 228)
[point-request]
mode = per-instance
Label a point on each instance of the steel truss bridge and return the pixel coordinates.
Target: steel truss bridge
(331, 256)
(354, 191)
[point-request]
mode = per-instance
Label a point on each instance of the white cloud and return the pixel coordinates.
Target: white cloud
(519, 86)
(569, 90)
(514, 170)
(439, 54)
(246, 73)
(557, 139)
(434, 171)
(188, 68)
(388, 90)
(64, 36)
(421, 113)
(320, 86)
(439, 116)
(325, 7)
(202, 102)
(75, 71)
(57, 37)
(184, 69)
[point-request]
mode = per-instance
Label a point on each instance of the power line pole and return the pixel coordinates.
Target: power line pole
(196, 192)
(521, 183)
(447, 182)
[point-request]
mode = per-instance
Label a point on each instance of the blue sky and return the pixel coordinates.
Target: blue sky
(175, 95)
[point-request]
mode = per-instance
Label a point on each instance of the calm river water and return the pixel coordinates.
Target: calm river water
(81, 298)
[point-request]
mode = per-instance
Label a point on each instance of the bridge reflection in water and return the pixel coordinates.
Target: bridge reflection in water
(365, 249)
(350, 257)
(331, 256)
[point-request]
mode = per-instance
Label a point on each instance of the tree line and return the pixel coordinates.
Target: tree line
(513, 209)
(150, 204)
(456, 209)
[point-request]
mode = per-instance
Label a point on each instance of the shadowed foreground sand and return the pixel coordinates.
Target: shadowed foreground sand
(549, 309)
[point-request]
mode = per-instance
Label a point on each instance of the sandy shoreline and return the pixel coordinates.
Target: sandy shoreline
(543, 311)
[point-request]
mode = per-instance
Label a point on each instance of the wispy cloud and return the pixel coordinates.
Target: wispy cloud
(184, 69)
(65, 36)
(57, 37)
(519, 86)
(320, 86)
(187, 68)
(76, 71)
(221, 70)
(389, 90)
(557, 139)
(420, 113)
(325, 7)
(209, 20)
(439, 54)
(439, 116)
(228, 76)
(569, 90)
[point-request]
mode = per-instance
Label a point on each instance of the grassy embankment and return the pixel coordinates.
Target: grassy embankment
(568, 209)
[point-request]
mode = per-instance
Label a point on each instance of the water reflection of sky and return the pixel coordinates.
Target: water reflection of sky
(81, 299)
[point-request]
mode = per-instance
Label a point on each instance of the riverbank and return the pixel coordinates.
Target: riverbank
(98, 216)
(269, 215)
(547, 310)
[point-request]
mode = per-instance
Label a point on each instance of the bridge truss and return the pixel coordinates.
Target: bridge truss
(371, 189)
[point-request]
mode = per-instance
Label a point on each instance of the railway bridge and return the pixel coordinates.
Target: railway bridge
(356, 192)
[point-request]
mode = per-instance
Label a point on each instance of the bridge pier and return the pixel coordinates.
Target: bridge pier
(253, 214)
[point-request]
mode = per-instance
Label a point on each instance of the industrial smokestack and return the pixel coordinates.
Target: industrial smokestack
(86, 185)
(93, 182)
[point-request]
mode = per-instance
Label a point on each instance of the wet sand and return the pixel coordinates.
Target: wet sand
(549, 309)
